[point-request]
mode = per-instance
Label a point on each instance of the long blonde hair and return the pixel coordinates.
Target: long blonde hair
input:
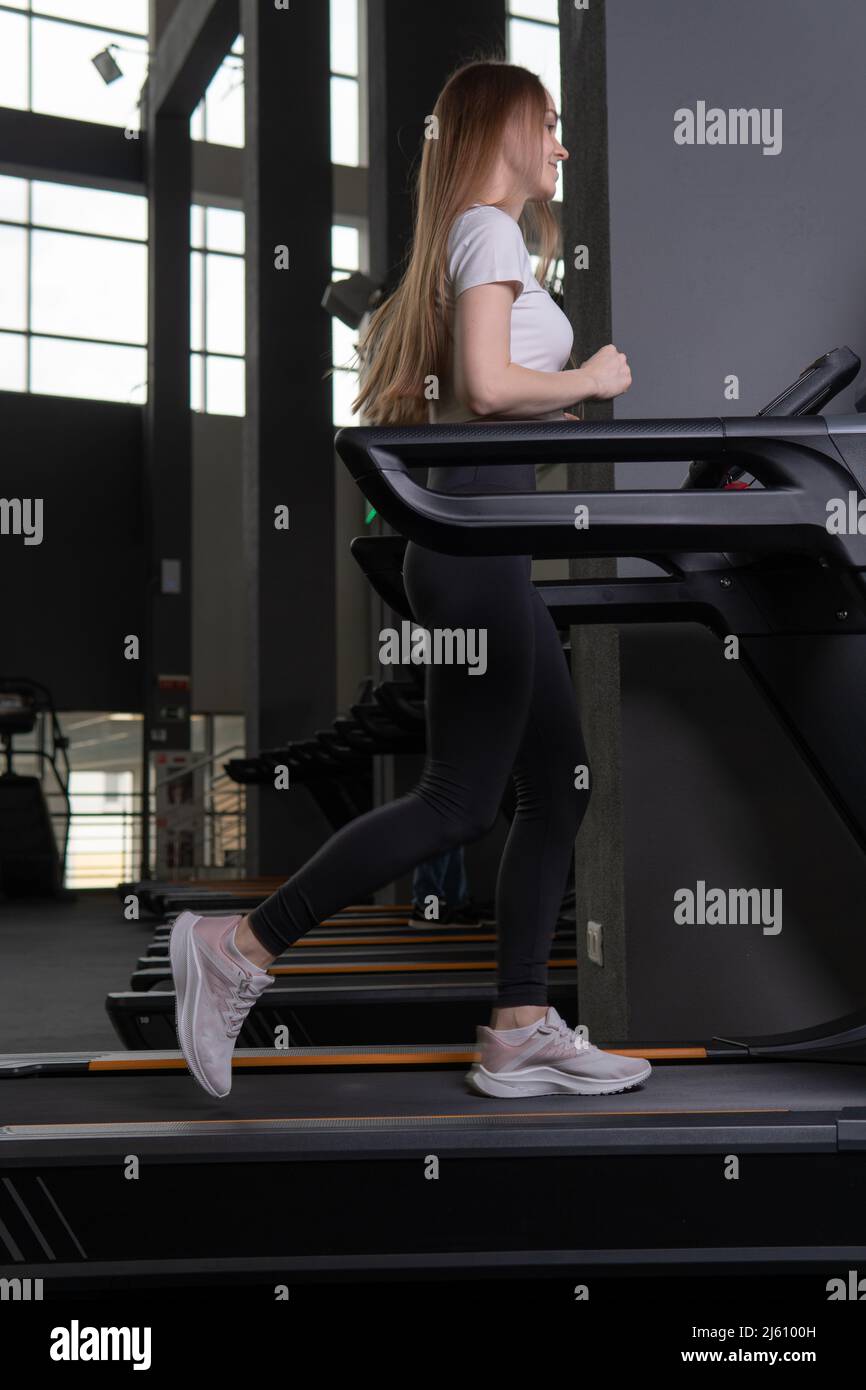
(407, 338)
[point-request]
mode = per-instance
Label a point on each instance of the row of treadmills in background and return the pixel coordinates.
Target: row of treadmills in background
(336, 764)
(364, 976)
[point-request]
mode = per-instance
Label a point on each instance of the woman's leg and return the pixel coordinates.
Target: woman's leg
(540, 846)
(475, 726)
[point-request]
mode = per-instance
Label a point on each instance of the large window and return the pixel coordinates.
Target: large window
(47, 49)
(73, 260)
(533, 42)
(105, 755)
(73, 298)
(217, 310)
(345, 85)
(219, 116)
(73, 291)
(345, 255)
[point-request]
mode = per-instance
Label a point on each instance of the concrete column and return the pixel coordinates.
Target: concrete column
(599, 856)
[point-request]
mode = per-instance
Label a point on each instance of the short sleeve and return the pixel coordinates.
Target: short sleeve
(487, 247)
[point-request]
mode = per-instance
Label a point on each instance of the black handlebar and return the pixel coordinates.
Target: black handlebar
(796, 460)
(817, 384)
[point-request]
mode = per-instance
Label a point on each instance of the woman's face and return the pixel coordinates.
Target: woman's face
(553, 154)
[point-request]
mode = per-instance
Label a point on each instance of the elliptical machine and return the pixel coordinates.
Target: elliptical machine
(32, 855)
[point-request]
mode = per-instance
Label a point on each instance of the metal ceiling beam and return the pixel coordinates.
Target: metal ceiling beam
(196, 39)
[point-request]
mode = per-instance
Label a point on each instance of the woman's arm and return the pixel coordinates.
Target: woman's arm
(489, 383)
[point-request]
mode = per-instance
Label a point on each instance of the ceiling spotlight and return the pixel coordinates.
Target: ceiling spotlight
(106, 66)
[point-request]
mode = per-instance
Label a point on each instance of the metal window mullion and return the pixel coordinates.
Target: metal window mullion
(531, 19)
(29, 58)
(73, 231)
(74, 23)
(83, 338)
(204, 352)
(28, 297)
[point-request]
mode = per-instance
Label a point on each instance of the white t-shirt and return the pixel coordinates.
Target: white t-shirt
(486, 246)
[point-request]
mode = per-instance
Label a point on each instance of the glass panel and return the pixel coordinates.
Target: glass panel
(99, 371)
(13, 277)
(13, 362)
(535, 46)
(196, 123)
(102, 830)
(13, 60)
(90, 210)
(225, 105)
(83, 286)
(344, 36)
(226, 386)
(344, 121)
(105, 760)
(196, 225)
(229, 731)
(536, 9)
(345, 248)
(345, 389)
(225, 305)
(343, 340)
(196, 382)
(127, 14)
(65, 82)
(225, 230)
(13, 199)
(196, 303)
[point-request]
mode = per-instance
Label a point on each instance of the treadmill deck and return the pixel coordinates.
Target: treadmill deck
(707, 1106)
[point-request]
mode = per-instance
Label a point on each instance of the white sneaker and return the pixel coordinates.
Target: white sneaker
(215, 987)
(552, 1060)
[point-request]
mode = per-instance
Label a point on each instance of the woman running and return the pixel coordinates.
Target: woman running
(470, 334)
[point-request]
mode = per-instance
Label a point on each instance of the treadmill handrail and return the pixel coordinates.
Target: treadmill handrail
(795, 460)
(527, 441)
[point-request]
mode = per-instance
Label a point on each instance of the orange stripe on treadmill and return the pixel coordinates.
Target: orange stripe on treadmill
(395, 921)
(658, 1054)
(398, 968)
(277, 1059)
(318, 942)
(376, 907)
(358, 1059)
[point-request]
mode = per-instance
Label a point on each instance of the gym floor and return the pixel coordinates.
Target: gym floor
(60, 960)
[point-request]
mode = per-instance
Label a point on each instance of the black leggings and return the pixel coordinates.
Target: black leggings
(519, 718)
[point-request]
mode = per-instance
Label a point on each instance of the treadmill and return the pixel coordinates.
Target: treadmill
(340, 1136)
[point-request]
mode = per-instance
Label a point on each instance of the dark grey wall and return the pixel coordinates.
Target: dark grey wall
(68, 603)
(725, 260)
(219, 616)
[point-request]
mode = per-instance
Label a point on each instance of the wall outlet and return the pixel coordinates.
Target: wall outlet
(594, 942)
